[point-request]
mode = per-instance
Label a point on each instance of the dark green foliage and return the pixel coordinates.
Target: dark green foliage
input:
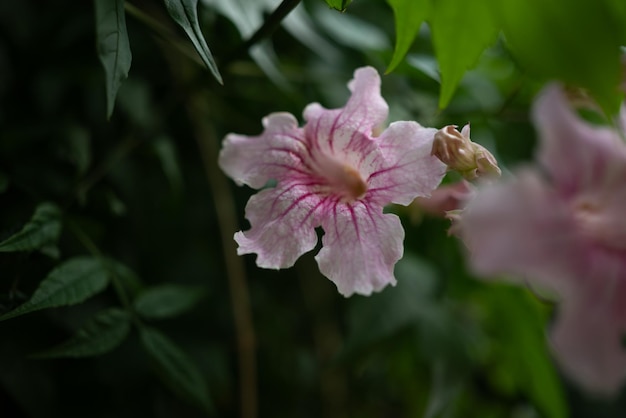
(167, 301)
(340, 5)
(175, 368)
(113, 46)
(559, 39)
(70, 283)
(409, 15)
(109, 228)
(43, 229)
(101, 334)
(185, 13)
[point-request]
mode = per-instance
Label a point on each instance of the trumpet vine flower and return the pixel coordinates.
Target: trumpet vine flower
(561, 227)
(337, 174)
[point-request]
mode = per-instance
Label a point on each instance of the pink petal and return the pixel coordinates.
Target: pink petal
(253, 160)
(407, 169)
(575, 153)
(283, 221)
(521, 227)
(360, 248)
(587, 340)
(333, 130)
(449, 197)
(465, 131)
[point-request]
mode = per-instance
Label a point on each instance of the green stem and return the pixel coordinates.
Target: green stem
(120, 152)
(95, 251)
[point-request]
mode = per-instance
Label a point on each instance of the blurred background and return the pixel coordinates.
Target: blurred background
(143, 190)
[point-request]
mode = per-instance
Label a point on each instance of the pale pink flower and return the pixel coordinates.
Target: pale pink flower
(335, 174)
(446, 198)
(562, 228)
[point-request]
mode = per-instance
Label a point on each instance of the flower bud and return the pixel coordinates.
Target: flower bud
(458, 152)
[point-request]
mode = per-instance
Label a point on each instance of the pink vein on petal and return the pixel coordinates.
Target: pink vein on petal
(354, 221)
(325, 171)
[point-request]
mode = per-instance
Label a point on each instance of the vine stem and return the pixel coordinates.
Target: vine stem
(205, 137)
(235, 270)
(91, 246)
(269, 26)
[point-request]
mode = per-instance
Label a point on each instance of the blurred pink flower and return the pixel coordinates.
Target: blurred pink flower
(446, 198)
(335, 174)
(563, 228)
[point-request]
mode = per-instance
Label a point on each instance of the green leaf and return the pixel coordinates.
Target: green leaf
(575, 42)
(113, 47)
(446, 387)
(410, 301)
(175, 368)
(409, 15)
(248, 16)
(71, 283)
(167, 301)
(461, 31)
(352, 31)
(101, 334)
(167, 155)
(516, 321)
(185, 13)
(79, 147)
(43, 229)
(340, 5)
(125, 276)
(409, 305)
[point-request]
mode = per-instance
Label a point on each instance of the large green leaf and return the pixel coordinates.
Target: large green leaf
(185, 13)
(340, 5)
(175, 368)
(167, 301)
(71, 283)
(101, 334)
(409, 15)
(572, 41)
(43, 229)
(461, 31)
(113, 47)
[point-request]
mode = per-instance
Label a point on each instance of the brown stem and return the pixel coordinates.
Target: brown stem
(319, 297)
(225, 210)
(199, 116)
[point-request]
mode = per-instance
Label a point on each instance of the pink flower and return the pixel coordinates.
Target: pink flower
(563, 228)
(335, 174)
(446, 198)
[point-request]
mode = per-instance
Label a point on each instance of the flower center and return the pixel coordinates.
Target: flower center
(343, 179)
(596, 224)
(353, 183)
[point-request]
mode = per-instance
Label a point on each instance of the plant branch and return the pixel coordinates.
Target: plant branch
(269, 26)
(235, 270)
(91, 246)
